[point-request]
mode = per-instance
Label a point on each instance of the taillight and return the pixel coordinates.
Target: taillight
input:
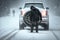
(44, 13)
(22, 12)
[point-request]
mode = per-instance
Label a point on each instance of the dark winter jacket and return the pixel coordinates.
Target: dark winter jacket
(35, 14)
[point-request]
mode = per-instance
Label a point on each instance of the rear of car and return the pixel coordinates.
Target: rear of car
(44, 12)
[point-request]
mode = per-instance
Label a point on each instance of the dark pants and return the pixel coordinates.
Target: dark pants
(32, 27)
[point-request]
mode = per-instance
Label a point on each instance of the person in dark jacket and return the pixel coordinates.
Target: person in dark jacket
(35, 16)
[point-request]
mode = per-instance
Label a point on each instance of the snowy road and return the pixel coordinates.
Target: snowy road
(27, 35)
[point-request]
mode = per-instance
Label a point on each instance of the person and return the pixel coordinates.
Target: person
(13, 12)
(35, 16)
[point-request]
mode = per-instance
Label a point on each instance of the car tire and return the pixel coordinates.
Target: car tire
(21, 26)
(27, 22)
(46, 27)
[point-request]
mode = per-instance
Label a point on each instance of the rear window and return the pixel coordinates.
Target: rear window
(40, 5)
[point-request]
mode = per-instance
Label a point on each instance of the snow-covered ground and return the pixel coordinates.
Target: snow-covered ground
(8, 24)
(27, 35)
(54, 22)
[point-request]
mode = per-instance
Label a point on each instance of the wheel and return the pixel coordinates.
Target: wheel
(21, 26)
(27, 20)
(46, 27)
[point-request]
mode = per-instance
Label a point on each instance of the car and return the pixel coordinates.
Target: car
(25, 14)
